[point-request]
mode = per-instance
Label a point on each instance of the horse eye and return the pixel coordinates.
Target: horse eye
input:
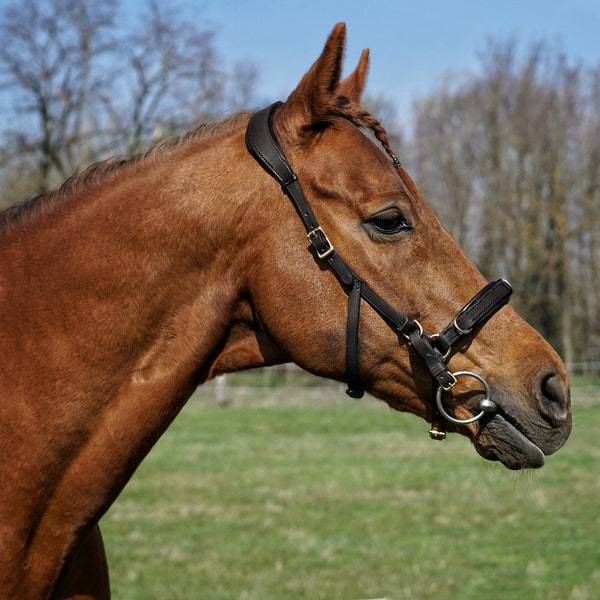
(390, 221)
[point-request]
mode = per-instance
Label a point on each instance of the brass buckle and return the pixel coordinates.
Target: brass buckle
(318, 231)
(436, 433)
(452, 383)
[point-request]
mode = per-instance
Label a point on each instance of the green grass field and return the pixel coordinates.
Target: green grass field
(345, 499)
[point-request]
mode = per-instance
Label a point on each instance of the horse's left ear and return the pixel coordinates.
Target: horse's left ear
(313, 100)
(352, 87)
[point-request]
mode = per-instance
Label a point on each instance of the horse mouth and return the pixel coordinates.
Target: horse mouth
(500, 440)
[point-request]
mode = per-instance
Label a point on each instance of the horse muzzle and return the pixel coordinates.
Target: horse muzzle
(521, 436)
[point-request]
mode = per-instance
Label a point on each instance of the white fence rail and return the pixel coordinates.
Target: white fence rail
(272, 385)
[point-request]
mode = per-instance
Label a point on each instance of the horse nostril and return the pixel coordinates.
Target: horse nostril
(555, 399)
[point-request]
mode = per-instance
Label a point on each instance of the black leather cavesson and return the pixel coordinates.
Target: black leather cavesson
(264, 147)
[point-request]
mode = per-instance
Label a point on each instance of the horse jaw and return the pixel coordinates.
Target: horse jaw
(246, 347)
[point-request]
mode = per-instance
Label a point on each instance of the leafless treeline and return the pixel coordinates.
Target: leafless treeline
(509, 157)
(78, 86)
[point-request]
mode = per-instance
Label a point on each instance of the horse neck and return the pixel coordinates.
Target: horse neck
(113, 309)
(119, 266)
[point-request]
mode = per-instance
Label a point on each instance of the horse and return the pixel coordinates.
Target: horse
(141, 278)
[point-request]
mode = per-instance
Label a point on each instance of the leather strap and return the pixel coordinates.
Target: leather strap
(262, 144)
(264, 147)
(355, 389)
(476, 312)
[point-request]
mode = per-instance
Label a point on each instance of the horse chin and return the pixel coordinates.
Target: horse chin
(500, 440)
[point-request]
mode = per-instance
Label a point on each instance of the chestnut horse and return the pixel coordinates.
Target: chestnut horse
(141, 278)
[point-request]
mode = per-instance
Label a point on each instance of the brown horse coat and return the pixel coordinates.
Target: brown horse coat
(140, 279)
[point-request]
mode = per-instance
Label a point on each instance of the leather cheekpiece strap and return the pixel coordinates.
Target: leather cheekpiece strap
(264, 147)
(262, 144)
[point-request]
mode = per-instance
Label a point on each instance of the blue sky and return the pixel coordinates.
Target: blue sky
(413, 43)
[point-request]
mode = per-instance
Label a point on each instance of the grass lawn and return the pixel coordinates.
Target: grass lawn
(345, 499)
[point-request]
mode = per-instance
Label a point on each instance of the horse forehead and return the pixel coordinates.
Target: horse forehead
(350, 157)
(355, 149)
(370, 135)
(367, 133)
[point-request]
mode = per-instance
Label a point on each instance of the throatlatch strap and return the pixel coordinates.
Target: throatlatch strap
(354, 390)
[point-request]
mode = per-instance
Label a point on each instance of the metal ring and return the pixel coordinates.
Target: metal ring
(485, 404)
(407, 336)
(461, 331)
(433, 336)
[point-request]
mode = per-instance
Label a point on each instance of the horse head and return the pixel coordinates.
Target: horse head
(369, 210)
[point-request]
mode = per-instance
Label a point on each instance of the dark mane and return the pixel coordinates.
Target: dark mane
(99, 172)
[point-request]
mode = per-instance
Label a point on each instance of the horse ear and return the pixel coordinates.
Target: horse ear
(352, 87)
(317, 91)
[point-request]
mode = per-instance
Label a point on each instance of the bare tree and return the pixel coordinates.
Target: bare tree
(585, 245)
(80, 88)
(169, 75)
(48, 64)
(506, 157)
